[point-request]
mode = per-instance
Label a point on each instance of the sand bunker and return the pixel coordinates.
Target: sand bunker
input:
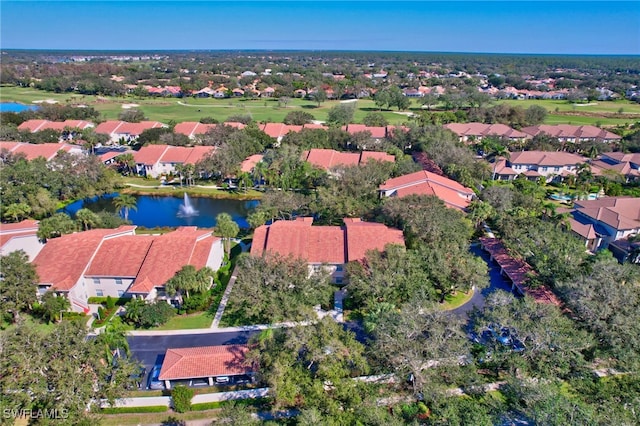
(129, 106)
(45, 101)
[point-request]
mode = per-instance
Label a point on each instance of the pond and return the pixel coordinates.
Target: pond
(15, 107)
(159, 211)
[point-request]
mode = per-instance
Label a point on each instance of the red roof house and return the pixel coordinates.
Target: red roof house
(115, 262)
(205, 362)
(423, 182)
(329, 158)
(117, 130)
(332, 245)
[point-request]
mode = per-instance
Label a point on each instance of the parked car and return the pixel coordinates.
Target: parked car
(154, 382)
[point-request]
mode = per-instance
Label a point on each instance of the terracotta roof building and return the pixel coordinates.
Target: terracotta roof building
(20, 236)
(192, 128)
(123, 130)
(155, 160)
(423, 182)
(318, 245)
(376, 132)
(477, 131)
(569, 133)
(627, 165)
(535, 164)
(329, 158)
(603, 221)
(216, 364)
(116, 262)
(39, 125)
(31, 151)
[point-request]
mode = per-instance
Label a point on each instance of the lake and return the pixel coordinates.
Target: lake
(158, 211)
(15, 107)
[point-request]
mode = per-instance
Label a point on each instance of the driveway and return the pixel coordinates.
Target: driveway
(496, 282)
(150, 350)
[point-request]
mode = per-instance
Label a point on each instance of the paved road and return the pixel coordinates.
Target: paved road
(150, 350)
(496, 282)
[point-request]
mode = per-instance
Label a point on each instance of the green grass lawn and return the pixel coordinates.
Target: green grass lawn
(184, 322)
(456, 300)
(269, 110)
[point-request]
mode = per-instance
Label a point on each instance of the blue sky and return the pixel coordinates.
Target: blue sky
(571, 27)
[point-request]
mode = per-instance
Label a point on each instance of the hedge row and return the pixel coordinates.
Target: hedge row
(134, 410)
(207, 406)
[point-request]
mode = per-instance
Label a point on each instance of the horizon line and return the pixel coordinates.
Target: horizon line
(70, 50)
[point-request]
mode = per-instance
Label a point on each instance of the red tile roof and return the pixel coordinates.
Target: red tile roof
(169, 253)
(328, 158)
(365, 236)
(278, 130)
(481, 130)
(25, 228)
(546, 158)
(365, 156)
(323, 244)
(120, 257)
(192, 128)
(125, 128)
(204, 361)
(567, 131)
(150, 154)
(62, 261)
(426, 183)
(249, 163)
(376, 132)
(32, 151)
(620, 213)
(27, 225)
(185, 155)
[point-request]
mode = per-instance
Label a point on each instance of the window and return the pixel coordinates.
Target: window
(96, 281)
(339, 280)
(99, 293)
(120, 293)
(339, 268)
(556, 169)
(119, 281)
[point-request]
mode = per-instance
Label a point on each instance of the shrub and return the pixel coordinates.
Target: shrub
(111, 303)
(207, 406)
(181, 397)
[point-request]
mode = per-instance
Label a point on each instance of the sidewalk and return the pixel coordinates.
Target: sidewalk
(224, 300)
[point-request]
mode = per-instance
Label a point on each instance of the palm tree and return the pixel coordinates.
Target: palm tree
(17, 211)
(124, 203)
(87, 219)
(227, 229)
(127, 161)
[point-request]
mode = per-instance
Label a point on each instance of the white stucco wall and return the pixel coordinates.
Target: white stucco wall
(216, 255)
(108, 285)
(29, 244)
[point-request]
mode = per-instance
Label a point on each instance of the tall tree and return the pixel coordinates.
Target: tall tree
(18, 286)
(227, 228)
(17, 211)
(55, 226)
(124, 203)
(60, 371)
(87, 219)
